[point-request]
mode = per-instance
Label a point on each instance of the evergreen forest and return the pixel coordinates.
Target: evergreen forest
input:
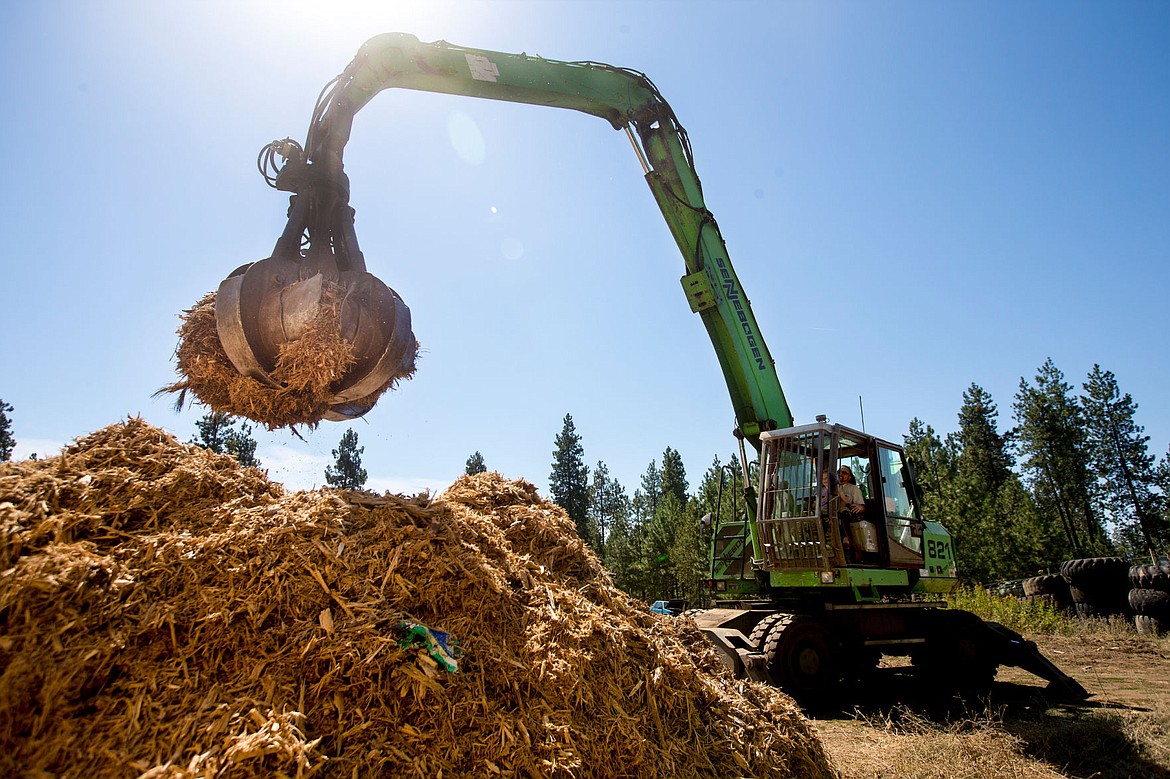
(1067, 474)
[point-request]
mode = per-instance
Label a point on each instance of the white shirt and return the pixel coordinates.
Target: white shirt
(850, 494)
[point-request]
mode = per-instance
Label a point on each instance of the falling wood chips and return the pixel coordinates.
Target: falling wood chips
(307, 369)
(167, 613)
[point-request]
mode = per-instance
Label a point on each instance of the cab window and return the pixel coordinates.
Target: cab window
(854, 453)
(901, 525)
(894, 484)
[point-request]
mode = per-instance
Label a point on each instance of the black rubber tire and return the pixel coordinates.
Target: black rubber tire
(803, 659)
(1049, 584)
(1010, 589)
(1093, 609)
(1150, 577)
(763, 628)
(1052, 585)
(1089, 571)
(1098, 603)
(1151, 626)
(1097, 585)
(1150, 603)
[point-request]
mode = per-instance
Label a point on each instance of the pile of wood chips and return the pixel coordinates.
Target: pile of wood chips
(307, 369)
(167, 613)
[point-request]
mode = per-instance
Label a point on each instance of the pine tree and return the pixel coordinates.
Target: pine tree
(986, 458)
(1124, 467)
(673, 544)
(1050, 436)
(720, 493)
(646, 498)
(688, 553)
(934, 462)
(214, 430)
(657, 562)
(347, 472)
(1162, 481)
(608, 504)
(674, 476)
(474, 464)
(622, 556)
(569, 480)
(995, 525)
(218, 433)
(7, 442)
(243, 447)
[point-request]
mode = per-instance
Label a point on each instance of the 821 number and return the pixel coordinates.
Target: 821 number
(939, 550)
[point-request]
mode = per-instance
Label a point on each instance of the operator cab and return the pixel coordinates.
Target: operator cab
(830, 496)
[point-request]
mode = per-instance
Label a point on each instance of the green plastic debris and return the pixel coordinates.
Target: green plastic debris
(441, 646)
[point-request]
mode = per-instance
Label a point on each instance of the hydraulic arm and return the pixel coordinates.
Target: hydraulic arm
(263, 305)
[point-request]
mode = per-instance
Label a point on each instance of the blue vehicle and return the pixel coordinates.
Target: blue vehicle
(671, 608)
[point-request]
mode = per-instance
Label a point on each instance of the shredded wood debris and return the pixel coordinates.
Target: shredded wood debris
(167, 613)
(308, 369)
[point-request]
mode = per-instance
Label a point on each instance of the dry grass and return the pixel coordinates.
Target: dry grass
(1116, 628)
(902, 744)
(1038, 744)
(1100, 743)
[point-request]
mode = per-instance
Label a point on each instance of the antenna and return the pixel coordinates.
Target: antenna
(862, 407)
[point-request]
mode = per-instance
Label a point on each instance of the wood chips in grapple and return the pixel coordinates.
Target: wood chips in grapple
(167, 613)
(307, 369)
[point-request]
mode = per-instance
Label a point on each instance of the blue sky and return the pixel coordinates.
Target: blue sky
(971, 187)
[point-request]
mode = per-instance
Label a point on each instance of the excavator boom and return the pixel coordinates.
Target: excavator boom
(626, 99)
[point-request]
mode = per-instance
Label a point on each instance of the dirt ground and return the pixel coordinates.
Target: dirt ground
(1122, 730)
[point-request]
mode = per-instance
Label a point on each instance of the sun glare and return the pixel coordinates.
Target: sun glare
(359, 20)
(466, 138)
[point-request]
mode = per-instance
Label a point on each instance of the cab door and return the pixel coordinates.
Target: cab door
(903, 525)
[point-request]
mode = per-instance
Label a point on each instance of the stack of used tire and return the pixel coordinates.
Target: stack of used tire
(1150, 597)
(1009, 589)
(1098, 586)
(1049, 587)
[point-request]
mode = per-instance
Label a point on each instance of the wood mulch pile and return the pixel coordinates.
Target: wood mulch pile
(167, 613)
(307, 369)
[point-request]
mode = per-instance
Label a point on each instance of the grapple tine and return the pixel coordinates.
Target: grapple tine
(230, 313)
(386, 316)
(286, 314)
(268, 305)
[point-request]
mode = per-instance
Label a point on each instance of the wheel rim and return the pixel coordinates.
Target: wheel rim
(800, 660)
(809, 662)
